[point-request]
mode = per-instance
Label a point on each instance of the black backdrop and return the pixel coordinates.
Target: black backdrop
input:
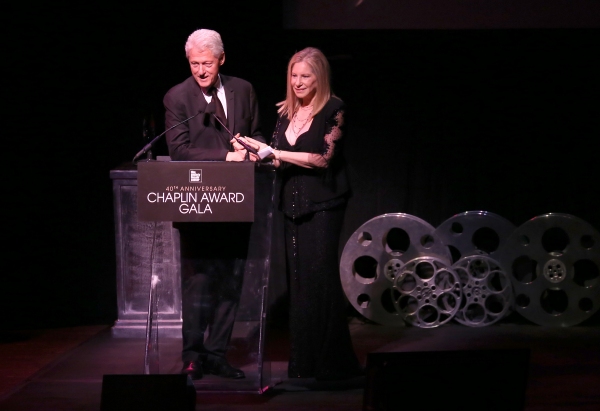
(440, 122)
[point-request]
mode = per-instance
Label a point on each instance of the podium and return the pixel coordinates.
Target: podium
(192, 191)
(148, 201)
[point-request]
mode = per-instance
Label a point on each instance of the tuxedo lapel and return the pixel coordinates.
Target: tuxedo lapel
(199, 102)
(230, 97)
(206, 120)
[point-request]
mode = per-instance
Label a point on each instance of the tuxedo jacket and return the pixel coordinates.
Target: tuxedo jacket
(202, 138)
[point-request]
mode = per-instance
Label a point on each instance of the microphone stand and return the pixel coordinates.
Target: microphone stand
(155, 139)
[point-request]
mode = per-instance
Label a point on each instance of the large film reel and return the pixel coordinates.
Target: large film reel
(553, 261)
(487, 291)
(474, 232)
(428, 292)
(373, 257)
(474, 238)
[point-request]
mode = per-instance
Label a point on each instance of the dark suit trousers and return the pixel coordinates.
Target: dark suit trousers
(213, 256)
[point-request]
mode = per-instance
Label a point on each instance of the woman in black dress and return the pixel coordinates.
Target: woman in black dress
(307, 144)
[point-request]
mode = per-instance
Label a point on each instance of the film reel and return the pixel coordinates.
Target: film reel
(553, 262)
(474, 232)
(487, 291)
(373, 258)
(428, 291)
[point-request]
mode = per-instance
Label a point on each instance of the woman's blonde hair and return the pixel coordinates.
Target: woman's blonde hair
(319, 65)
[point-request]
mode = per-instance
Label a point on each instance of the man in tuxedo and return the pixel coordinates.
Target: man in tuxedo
(212, 254)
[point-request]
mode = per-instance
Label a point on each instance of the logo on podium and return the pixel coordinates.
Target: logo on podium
(196, 176)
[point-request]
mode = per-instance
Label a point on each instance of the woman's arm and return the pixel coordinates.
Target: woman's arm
(310, 160)
(302, 159)
(306, 160)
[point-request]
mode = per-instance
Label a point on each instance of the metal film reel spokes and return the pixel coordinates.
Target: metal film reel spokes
(373, 258)
(553, 262)
(474, 232)
(487, 291)
(474, 238)
(429, 293)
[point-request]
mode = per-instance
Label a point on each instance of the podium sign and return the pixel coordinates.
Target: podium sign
(196, 191)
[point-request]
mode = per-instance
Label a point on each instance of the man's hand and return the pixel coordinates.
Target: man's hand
(238, 155)
(233, 156)
(236, 146)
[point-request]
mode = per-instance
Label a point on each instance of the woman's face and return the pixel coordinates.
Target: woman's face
(304, 82)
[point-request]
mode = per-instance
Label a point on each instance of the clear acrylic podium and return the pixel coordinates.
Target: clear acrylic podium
(147, 202)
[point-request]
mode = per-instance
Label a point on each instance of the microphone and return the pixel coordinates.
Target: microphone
(211, 109)
(155, 139)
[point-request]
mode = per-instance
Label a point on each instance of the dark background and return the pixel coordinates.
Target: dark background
(440, 121)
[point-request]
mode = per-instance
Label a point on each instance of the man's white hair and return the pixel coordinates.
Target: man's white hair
(205, 39)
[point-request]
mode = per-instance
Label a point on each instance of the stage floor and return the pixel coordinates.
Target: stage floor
(62, 369)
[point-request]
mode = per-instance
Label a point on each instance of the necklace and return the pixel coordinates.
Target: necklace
(298, 122)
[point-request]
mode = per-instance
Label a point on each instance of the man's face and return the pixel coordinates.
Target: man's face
(205, 67)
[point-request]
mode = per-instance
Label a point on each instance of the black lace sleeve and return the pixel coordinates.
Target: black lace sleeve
(333, 134)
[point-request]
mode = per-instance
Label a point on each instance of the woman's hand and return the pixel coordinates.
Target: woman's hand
(258, 145)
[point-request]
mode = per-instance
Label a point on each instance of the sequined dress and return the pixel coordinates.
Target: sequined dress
(313, 202)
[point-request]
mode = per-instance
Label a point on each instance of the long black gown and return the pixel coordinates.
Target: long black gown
(313, 202)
